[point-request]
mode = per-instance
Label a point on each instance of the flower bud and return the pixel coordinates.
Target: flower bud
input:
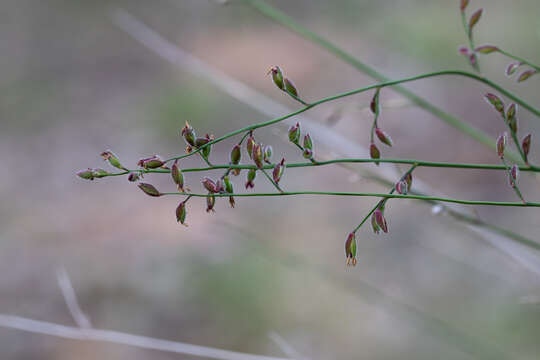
(210, 202)
(374, 105)
(526, 145)
(514, 173)
(308, 143)
(486, 49)
(267, 153)
(149, 190)
(210, 185)
(229, 189)
(511, 117)
(200, 141)
(473, 60)
(381, 221)
(86, 174)
(250, 143)
(250, 178)
(277, 76)
(177, 176)
(350, 249)
(112, 159)
(374, 152)
(501, 144)
(152, 162)
(290, 88)
(525, 75)
(511, 68)
(475, 17)
(294, 133)
(374, 225)
(307, 153)
(463, 5)
(408, 180)
(181, 213)
(258, 155)
(235, 155)
(100, 173)
(463, 50)
(189, 134)
(401, 187)
(133, 177)
(277, 173)
(383, 136)
(496, 102)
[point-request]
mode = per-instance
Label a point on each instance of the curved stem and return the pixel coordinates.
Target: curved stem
(521, 60)
(383, 196)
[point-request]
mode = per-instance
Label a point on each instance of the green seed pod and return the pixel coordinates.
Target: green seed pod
(267, 153)
(86, 174)
(308, 143)
(290, 88)
(250, 178)
(152, 162)
(277, 173)
(229, 189)
(374, 152)
(177, 176)
(381, 221)
(210, 203)
(112, 159)
(250, 143)
(374, 226)
(236, 155)
(149, 190)
(200, 141)
(189, 134)
(501, 144)
(277, 76)
(100, 173)
(210, 185)
(206, 151)
(496, 102)
(258, 155)
(307, 153)
(525, 75)
(374, 104)
(350, 249)
(475, 17)
(486, 49)
(463, 5)
(181, 213)
(294, 133)
(526, 146)
(383, 137)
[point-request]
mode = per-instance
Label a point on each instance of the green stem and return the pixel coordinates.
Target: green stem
(512, 182)
(468, 31)
(271, 180)
(521, 60)
(290, 23)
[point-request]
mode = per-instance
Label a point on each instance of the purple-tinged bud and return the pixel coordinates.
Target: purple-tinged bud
(374, 152)
(189, 134)
(486, 49)
(294, 133)
(308, 143)
(511, 68)
(501, 144)
(177, 176)
(350, 249)
(401, 187)
(219, 187)
(112, 159)
(383, 136)
(200, 141)
(381, 221)
(525, 75)
(181, 213)
(210, 203)
(229, 189)
(149, 190)
(475, 17)
(133, 177)
(511, 117)
(210, 185)
(374, 105)
(236, 155)
(408, 180)
(514, 173)
(250, 143)
(277, 173)
(277, 76)
(463, 50)
(473, 59)
(308, 154)
(526, 146)
(250, 178)
(496, 102)
(152, 162)
(374, 225)
(463, 5)
(267, 153)
(100, 173)
(290, 88)
(258, 155)
(86, 174)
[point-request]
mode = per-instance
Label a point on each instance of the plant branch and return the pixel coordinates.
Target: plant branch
(521, 60)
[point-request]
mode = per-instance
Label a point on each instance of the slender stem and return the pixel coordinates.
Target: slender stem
(469, 33)
(511, 179)
(271, 180)
(385, 196)
(290, 23)
(521, 60)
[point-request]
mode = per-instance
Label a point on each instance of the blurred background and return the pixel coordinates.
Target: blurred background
(74, 83)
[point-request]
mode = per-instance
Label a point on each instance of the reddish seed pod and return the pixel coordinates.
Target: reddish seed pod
(501, 144)
(308, 143)
(181, 213)
(511, 68)
(210, 203)
(511, 117)
(188, 134)
(514, 173)
(374, 152)
(496, 102)
(408, 180)
(374, 105)
(177, 176)
(294, 133)
(401, 187)
(463, 5)
(463, 50)
(383, 137)
(472, 59)
(380, 220)
(236, 155)
(250, 143)
(350, 249)
(210, 185)
(475, 17)
(277, 173)
(374, 225)
(133, 177)
(149, 189)
(250, 178)
(525, 75)
(307, 153)
(526, 145)
(258, 155)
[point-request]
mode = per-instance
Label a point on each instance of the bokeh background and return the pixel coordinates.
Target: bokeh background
(74, 84)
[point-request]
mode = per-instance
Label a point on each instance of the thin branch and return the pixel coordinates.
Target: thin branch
(116, 337)
(70, 298)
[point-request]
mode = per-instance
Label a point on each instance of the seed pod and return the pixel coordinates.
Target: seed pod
(294, 133)
(177, 176)
(149, 190)
(511, 117)
(206, 151)
(210, 185)
(383, 137)
(235, 155)
(374, 152)
(189, 134)
(277, 76)
(152, 162)
(181, 213)
(229, 189)
(374, 225)
(210, 203)
(408, 180)
(290, 88)
(401, 187)
(307, 154)
(86, 174)
(100, 173)
(526, 146)
(308, 143)
(250, 143)
(486, 49)
(525, 75)
(475, 17)
(463, 50)
(463, 5)
(258, 155)
(374, 105)
(350, 249)
(133, 177)
(473, 60)
(267, 153)
(511, 68)
(496, 102)
(501, 144)
(200, 141)
(250, 178)
(381, 221)
(112, 159)
(514, 174)
(277, 173)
